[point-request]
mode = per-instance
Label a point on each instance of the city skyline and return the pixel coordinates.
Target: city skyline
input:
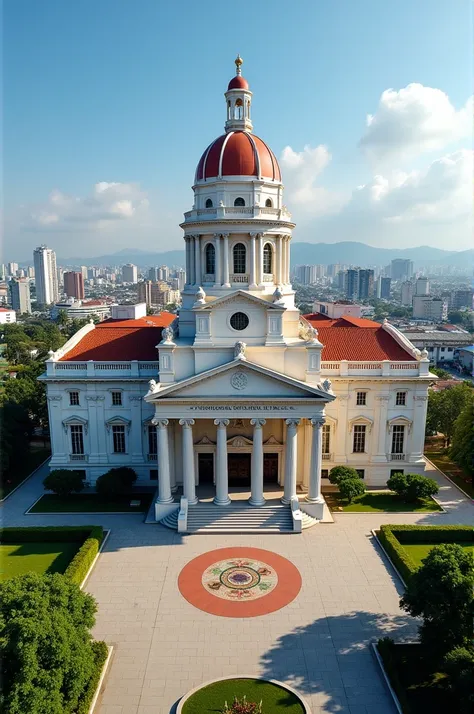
(394, 170)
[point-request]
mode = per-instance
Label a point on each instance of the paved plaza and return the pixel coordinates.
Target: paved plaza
(164, 646)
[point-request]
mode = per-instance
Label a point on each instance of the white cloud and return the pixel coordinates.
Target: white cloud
(411, 121)
(441, 193)
(107, 202)
(301, 171)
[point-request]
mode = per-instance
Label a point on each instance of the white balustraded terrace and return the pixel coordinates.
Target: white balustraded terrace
(385, 368)
(220, 212)
(101, 370)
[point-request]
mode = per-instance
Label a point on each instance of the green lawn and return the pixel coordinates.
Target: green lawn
(20, 558)
(451, 469)
(384, 502)
(211, 699)
(91, 503)
(418, 551)
(418, 688)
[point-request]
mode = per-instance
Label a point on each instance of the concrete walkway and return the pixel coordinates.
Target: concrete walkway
(318, 644)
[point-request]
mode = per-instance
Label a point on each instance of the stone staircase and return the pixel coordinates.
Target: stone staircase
(237, 518)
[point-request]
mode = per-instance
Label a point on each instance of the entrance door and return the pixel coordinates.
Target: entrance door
(270, 468)
(239, 469)
(206, 468)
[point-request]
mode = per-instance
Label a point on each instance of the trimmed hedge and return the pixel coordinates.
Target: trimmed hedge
(386, 649)
(392, 538)
(90, 536)
(101, 651)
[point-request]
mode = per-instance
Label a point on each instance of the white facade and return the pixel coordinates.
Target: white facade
(429, 308)
(130, 273)
(46, 275)
(7, 316)
(20, 295)
(239, 391)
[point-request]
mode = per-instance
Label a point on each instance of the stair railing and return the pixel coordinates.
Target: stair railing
(183, 515)
(296, 515)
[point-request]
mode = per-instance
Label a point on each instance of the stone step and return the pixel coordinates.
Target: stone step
(235, 518)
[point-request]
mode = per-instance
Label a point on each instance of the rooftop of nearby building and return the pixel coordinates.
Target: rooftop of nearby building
(117, 340)
(356, 338)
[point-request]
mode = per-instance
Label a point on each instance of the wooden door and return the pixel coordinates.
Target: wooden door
(270, 468)
(239, 469)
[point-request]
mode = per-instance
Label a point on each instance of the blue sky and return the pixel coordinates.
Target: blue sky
(131, 93)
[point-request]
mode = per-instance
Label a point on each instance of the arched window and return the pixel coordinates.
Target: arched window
(267, 258)
(268, 203)
(239, 202)
(239, 258)
(229, 110)
(209, 203)
(210, 259)
(239, 109)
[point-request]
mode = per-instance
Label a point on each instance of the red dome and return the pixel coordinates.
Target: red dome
(238, 82)
(238, 153)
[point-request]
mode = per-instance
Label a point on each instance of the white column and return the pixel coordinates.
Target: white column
(172, 458)
(283, 260)
(253, 261)
(287, 260)
(290, 460)
(314, 491)
(278, 260)
(380, 454)
(189, 486)
(222, 478)
(256, 497)
(260, 259)
(188, 261)
(197, 260)
(414, 450)
(164, 479)
(217, 246)
(225, 236)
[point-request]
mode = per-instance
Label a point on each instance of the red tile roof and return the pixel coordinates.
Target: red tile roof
(117, 340)
(355, 338)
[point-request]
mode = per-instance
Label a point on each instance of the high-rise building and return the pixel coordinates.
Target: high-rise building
(154, 274)
(351, 284)
(12, 268)
(407, 293)
(422, 286)
(46, 275)
(129, 273)
(30, 272)
(181, 276)
(401, 269)
(461, 298)
(74, 285)
(306, 274)
(332, 270)
(20, 295)
(163, 273)
(366, 283)
(84, 271)
(429, 308)
(383, 288)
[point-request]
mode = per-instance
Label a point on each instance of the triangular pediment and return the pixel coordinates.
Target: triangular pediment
(241, 380)
(239, 297)
(239, 441)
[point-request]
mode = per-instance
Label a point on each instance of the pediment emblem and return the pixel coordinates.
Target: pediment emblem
(239, 441)
(239, 380)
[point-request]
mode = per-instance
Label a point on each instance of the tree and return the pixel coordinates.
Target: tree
(45, 644)
(441, 373)
(459, 665)
(63, 482)
(116, 481)
(462, 448)
(350, 488)
(338, 473)
(444, 407)
(412, 487)
(441, 592)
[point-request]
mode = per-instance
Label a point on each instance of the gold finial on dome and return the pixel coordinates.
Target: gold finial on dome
(238, 63)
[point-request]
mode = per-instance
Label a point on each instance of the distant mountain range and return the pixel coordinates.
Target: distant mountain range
(347, 252)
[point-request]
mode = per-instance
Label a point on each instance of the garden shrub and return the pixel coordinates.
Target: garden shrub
(63, 482)
(412, 487)
(46, 647)
(242, 706)
(440, 591)
(431, 534)
(338, 473)
(386, 648)
(405, 565)
(77, 569)
(459, 666)
(350, 488)
(116, 482)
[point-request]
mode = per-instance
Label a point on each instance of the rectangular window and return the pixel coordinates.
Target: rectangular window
(359, 439)
(77, 439)
(396, 471)
(401, 399)
(324, 473)
(74, 399)
(152, 440)
(117, 399)
(118, 433)
(398, 435)
(153, 474)
(361, 399)
(360, 473)
(326, 438)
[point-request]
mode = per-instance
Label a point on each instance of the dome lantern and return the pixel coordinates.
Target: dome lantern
(238, 100)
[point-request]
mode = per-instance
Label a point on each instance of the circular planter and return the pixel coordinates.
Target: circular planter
(275, 682)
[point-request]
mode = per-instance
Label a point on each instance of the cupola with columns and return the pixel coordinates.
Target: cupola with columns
(238, 232)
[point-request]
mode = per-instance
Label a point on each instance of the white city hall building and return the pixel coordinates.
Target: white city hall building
(240, 399)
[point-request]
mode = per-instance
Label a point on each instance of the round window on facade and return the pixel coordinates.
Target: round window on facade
(239, 321)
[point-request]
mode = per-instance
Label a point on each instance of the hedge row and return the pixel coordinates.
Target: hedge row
(100, 652)
(90, 536)
(392, 538)
(386, 649)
